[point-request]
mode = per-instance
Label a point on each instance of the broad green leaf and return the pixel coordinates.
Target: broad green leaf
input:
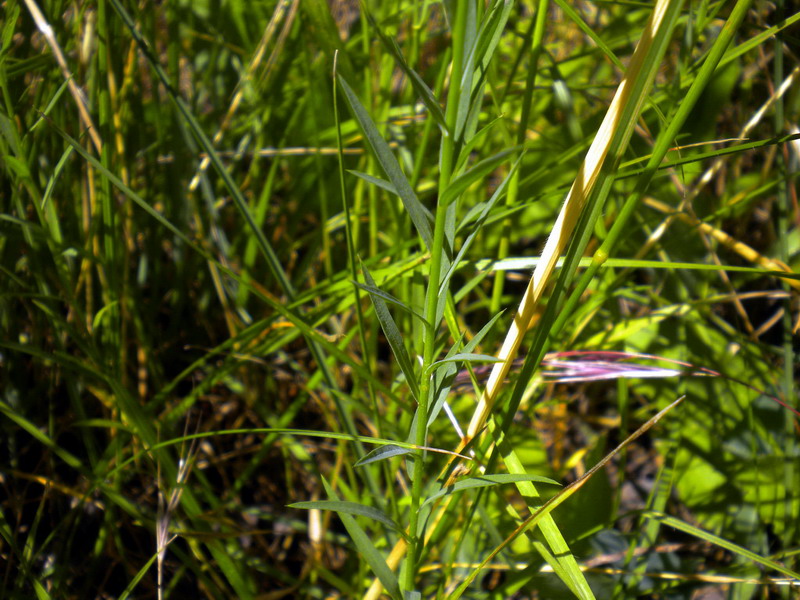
(485, 481)
(418, 213)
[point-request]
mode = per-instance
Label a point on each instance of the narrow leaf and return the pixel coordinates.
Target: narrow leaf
(392, 334)
(366, 549)
(476, 228)
(486, 481)
(420, 87)
(722, 543)
(476, 173)
(372, 290)
(420, 216)
(348, 508)
(463, 357)
(381, 183)
(382, 453)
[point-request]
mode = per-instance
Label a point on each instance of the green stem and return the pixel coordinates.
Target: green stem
(432, 294)
(537, 44)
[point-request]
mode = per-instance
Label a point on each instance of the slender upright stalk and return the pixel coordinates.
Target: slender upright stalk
(432, 294)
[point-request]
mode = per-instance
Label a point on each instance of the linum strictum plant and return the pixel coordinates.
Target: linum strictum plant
(474, 36)
(424, 519)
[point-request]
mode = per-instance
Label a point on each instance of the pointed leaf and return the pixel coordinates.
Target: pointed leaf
(463, 357)
(381, 183)
(420, 216)
(391, 299)
(366, 549)
(420, 87)
(498, 193)
(349, 508)
(485, 481)
(393, 335)
(481, 52)
(382, 453)
(477, 172)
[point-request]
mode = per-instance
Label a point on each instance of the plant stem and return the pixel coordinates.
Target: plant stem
(432, 294)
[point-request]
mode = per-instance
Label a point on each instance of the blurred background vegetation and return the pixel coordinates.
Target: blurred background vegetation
(173, 260)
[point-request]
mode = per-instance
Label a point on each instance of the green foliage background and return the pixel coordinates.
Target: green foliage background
(183, 265)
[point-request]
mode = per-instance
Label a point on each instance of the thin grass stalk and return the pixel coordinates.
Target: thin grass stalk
(611, 139)
(537, 46)
(77, 94)
(351, 257)
(263, 244)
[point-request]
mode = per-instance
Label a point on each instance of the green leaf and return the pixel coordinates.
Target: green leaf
(420, 87)
(576, 18)
(349, 508)
(476, 228)
(382, 453)
(463, 357)
(393, 335)
(443, 378)
(486, 481)
(468, 146)
(372, 290)
(418, 213)
(16, 165)
(381, 183)
(481, 53)
(366, 549)
(476, 173)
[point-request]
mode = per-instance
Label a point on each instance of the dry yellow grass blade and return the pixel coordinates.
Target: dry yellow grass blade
(740, 248)
(564, 225)
(77, 94)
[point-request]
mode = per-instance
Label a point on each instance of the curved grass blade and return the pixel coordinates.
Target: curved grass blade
(480, 54)
(372, 290)
(721, 542)
(544, 512)
(477, 172)
(420, 87)
(476, 228)
(462, 357)
(381, 183)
